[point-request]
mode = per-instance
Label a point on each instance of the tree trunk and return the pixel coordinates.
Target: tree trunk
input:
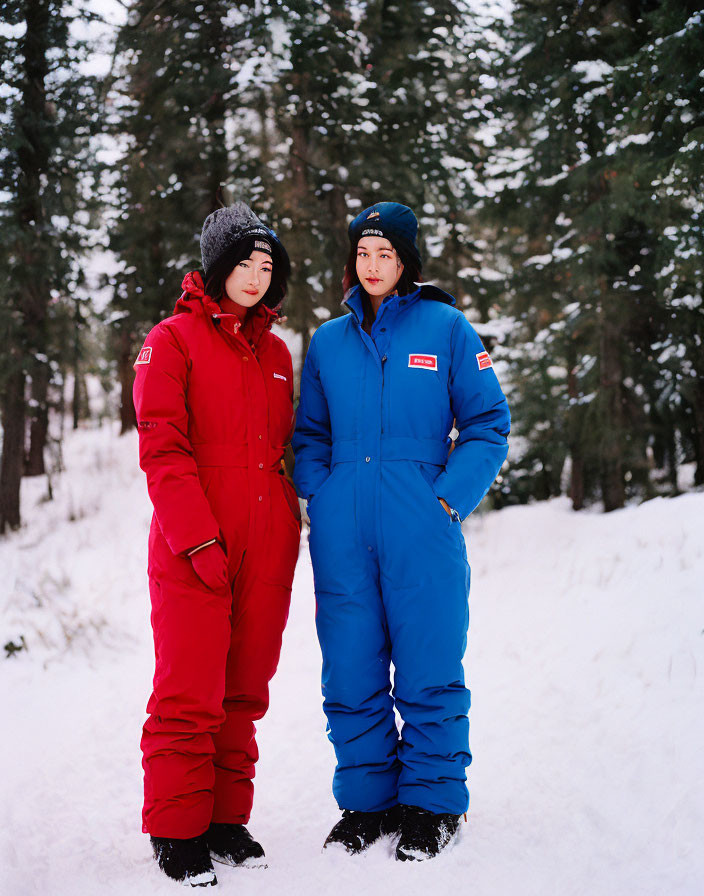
(577, 479)
(218, 40)
(76, 398)
(125, 370)
(670, 454)
(698, 431)
(338, 215)
(59, 465)
(454, 284)
(300, 199)
(39, 426)
(217, 166)
(612, 429)
(575, 447)
(13, 423)
(33, 159)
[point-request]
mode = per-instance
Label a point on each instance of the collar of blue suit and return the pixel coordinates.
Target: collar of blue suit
(353, 298)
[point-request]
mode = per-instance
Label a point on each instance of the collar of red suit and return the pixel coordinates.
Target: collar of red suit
(194, 298)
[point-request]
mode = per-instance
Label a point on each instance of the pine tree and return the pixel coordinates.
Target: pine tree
(663, 85)
(170, 98)
(420, 133)
(583, 229)
(45, 160)
(368, 101)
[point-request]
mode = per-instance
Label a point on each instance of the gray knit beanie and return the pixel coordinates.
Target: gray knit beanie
(225, 227)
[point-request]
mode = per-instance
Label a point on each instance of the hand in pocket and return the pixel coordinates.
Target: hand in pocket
(446, 506)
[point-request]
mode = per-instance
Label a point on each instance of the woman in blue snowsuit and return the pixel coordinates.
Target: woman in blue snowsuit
(380, 390)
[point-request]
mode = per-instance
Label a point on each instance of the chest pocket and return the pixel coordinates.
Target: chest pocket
(214, 360)
(416, 383)
(278, 387)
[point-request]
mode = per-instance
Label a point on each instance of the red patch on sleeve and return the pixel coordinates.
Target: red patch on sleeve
(145, 356)
(484, 361)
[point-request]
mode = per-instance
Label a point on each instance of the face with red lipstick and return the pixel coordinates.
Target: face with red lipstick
(249, 279)
(378, 266)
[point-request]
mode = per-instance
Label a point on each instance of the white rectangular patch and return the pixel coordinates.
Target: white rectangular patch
(145, 356)
(426, 362)
(280, 376)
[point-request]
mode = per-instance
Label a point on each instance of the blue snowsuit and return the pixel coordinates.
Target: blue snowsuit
(390, 565)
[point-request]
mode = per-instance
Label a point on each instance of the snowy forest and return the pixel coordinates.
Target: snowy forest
(553, 153)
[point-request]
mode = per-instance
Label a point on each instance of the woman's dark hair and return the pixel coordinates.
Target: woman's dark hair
(410, 276)
(280, 271)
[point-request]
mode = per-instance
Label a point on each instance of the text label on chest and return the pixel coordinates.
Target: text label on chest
(426, 362)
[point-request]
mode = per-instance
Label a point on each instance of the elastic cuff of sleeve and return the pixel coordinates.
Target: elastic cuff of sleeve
(206, 544)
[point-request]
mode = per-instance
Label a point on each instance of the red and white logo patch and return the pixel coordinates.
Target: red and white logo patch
(280, 376)
(427, 362)
(484, 361)
(145, 356)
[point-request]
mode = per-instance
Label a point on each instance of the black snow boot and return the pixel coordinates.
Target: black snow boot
(424, 834)
(186, 861)
(358, 830)
(232, 844)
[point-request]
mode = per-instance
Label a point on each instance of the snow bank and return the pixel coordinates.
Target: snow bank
(585, 650)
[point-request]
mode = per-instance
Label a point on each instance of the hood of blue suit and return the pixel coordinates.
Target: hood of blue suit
(354, 298)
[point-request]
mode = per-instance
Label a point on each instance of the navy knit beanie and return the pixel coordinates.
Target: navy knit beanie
(391, 220)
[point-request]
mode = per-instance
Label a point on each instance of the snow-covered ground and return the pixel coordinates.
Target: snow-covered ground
(586, 664)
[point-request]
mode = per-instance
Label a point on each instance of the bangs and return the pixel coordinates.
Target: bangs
(242, 251)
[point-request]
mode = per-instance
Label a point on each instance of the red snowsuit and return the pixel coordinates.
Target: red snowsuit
(214, 402)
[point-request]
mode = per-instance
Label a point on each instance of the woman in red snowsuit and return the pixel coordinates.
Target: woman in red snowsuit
(214, 401)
